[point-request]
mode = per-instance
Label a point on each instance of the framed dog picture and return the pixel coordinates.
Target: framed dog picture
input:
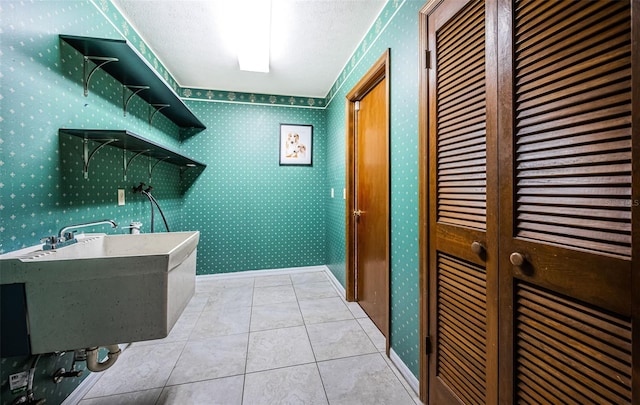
(296, 144)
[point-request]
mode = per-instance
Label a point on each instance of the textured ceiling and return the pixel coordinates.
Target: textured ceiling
(311, 41)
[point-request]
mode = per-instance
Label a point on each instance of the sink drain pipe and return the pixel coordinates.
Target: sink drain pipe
(92, 358)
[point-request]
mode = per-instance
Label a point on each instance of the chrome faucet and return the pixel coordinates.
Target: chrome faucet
(65, 237)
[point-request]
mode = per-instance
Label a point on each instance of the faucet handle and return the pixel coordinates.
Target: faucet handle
(69, 235)
(49, 240)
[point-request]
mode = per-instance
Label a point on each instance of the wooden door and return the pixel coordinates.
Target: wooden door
(372, 189)
(566, 201)
(561, 102)
(462, 207)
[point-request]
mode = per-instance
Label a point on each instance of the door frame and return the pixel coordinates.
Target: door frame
(379, 71)
(423, 201)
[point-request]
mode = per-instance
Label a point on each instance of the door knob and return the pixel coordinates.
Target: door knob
(357, 213)
(517, 259)
(477, 247)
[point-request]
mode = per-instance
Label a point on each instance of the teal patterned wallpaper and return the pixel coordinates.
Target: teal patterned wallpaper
(253, 213)
(397, 29)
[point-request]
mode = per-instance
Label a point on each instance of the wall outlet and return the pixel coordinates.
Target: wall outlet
(120, 196)
(18, 382)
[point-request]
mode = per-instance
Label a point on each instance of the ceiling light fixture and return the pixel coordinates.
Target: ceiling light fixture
(254, 36)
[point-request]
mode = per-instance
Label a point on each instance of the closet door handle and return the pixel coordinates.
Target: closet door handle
(357, 213)
(477, 247)
(517, 259)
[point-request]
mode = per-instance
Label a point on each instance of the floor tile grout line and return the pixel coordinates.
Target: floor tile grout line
(164, 385)
(246, 357)
(324, 388)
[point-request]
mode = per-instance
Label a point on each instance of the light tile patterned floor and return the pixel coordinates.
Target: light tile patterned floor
(272, 339)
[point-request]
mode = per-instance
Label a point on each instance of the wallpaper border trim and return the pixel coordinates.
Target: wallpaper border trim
(234, 97)
(364, 46)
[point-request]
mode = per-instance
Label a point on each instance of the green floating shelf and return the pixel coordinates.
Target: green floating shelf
(128, 142)
(126, 65)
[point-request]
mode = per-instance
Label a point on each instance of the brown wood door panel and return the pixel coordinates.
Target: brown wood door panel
(565, 202)
(371, 198)
(450, 239)
(567, 351)
(462, 212)
(600, 280)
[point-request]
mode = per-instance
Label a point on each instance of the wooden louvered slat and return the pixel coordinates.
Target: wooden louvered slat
(562, 368)
(468, 53)
(573, 211)
(572, 56)
(578, 233)
(450, 36)
(454, 177)
(462, 317)
(573, 118)
(559, 22)
(615, 81)
(603, 203)
(575, 161)
(566, 26)
(465, 86)
(537, 142)
(473, 314)
(560, 121)
(580, 353)
(573, 221)
(599, 357)
(549, 384)
(464, 352)
(470, 98)
(567, 109)
(472, 326)
(461, 119)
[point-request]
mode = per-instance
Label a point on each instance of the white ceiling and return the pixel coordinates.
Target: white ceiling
(311, 41)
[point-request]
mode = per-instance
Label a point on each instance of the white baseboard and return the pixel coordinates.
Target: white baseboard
(270, 272)
(404, 370)
(335, 282)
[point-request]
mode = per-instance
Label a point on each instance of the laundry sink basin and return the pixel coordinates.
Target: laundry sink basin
(105, 289)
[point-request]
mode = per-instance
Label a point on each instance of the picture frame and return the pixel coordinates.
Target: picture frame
(296, 145)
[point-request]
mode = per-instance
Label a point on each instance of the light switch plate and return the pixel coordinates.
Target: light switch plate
(120, 196)
(332, 194)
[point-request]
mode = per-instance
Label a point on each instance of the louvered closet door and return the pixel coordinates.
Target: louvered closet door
(463, 239)
(566, 203)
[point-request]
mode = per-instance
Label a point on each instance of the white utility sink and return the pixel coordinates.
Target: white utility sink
(105, 289)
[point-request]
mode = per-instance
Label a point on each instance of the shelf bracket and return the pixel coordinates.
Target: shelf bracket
(157, 107)
(99, 61)
(134, 90)
(151, 167)
(184, 168)
(127, 163)
(88, 155)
